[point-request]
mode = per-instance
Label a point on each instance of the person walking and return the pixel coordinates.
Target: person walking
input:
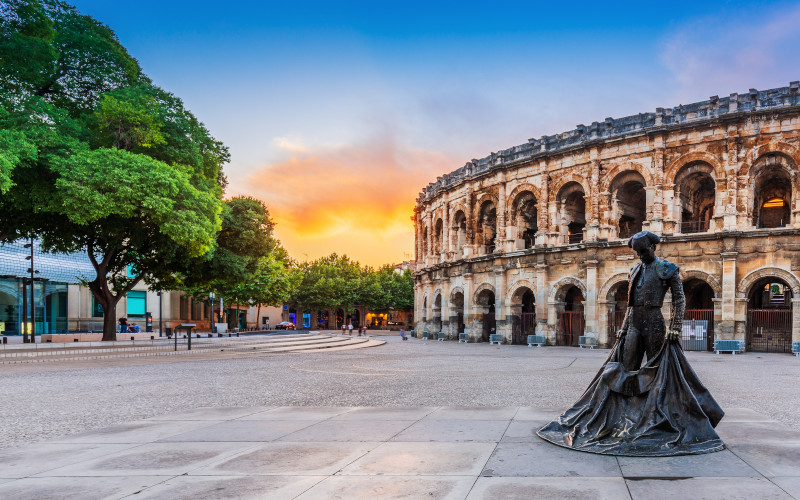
(350, 328)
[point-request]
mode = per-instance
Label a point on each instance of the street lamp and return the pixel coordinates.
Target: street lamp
(160, 314)
(211, 299)
(33, 304)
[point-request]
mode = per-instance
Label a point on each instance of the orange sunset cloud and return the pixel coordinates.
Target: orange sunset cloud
(357, 200)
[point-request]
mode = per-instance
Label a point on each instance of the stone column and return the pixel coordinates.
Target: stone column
(445, 312)
(542, 309)
(469, 246)
(591, 308)
(447, 247)
(431, 239)
(500, 238)
(503, 325)
(728, 317)
(543, 224)
(468, 307)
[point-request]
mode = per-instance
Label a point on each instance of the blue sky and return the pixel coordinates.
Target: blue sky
(337, 114)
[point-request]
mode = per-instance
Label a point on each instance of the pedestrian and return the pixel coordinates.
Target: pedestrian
(123, 325)
(350, 328)
(344, 328)
(403, 335)
(134, 328)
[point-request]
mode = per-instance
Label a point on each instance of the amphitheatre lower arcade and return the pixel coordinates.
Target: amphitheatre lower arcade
(533, 239)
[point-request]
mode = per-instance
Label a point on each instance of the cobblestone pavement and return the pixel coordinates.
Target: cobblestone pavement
(43, 401)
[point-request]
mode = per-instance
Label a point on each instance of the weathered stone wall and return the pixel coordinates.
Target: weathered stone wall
(556, 212)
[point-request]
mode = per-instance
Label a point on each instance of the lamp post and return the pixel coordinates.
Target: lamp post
(33, 303)
(160, 315)
(211, 299)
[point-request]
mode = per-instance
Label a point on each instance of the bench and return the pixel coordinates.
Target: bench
(495, 337)
(796, 347)
(587, 341)
(733, 346)
(463, 337)
(536, 340)
(426, 335)
(441, 336)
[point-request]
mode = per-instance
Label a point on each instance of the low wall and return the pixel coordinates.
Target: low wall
(93, 337)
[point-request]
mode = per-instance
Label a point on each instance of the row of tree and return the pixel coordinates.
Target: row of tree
(96, 158)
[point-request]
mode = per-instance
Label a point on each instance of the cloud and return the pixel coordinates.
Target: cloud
(747, 49)
(356, 199)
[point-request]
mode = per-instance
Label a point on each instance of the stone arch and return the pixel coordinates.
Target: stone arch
(772, 176)
(525, 186)
(558, 290)
(563, 181)
(438, 236)
(695, 157)
(767, 272)
(617, 169)
(481, 288)
(627, 198)
(610, 284)
(454, 291)
(515, 291)
(784, 149)
(712, 281)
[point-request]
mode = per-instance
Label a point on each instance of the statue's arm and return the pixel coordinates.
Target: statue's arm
(678, 304)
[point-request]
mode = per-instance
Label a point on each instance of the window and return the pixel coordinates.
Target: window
(137, 303)
(97, 308)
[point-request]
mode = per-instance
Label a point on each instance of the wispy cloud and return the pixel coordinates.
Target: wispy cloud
(325, 199)
(734, 52)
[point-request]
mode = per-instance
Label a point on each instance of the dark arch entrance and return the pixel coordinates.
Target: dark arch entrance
(618, 298)
(523, 319)
(570, 320)
(486, 301)
(698, 320)
(457, 311)
(769, 316)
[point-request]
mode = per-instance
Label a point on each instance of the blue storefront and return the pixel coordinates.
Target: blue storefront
(52, 275)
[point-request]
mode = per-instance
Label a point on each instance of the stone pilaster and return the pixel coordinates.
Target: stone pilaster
(501, 316)
(469, 308)
(728, 316)
(591, 309)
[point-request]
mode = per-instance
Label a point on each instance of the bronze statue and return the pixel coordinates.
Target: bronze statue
(659, 409)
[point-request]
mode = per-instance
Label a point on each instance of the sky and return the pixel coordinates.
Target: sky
(337, 114)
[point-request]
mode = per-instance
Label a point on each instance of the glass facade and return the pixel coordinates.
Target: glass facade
(137, 304)
(50, 307)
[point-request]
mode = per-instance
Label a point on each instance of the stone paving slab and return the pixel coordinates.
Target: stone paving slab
(384, 452)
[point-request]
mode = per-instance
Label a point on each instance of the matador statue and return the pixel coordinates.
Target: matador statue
(657, 409)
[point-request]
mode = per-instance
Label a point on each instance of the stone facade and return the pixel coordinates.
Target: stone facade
(536, 235)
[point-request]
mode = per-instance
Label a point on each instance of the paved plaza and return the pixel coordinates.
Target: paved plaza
(415, 419)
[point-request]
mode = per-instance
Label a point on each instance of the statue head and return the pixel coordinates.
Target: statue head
(644, 244)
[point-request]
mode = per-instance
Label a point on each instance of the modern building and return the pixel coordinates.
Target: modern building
(63, 305)
(533, 239)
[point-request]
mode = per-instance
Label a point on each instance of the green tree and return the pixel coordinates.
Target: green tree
(329, 282)
(96, 157)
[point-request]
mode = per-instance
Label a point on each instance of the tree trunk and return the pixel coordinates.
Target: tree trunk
(110, 323)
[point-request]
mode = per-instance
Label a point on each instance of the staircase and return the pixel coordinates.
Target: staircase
(245, 345)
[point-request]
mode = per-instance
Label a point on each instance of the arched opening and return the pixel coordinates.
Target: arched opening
(487, 227)
(772, 192)
(572, 208)
(525, 212)
(460, 232)
(695, 192)
(486, 304)
(523, 322)
(9, 313)
(438, 238)
(340, 319)
(355, 318)
(571, 322)
(322, 320)
(698, 320)
(457, 311)
(437, 313)
(617, 298)
(425, 241)
(769, 316)
(628, 203)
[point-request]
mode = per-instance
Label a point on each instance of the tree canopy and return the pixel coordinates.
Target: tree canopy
(95, 157)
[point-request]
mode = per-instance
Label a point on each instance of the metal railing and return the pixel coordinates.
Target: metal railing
(694, 226)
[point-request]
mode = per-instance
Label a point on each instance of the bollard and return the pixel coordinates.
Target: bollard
(210, 335)
(237, 334)
(75, 340)
(152, 337)
(132, 338)
(5, 340)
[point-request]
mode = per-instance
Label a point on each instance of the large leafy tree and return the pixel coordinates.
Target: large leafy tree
(96, 158)
(385, 289)
(329, 282)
